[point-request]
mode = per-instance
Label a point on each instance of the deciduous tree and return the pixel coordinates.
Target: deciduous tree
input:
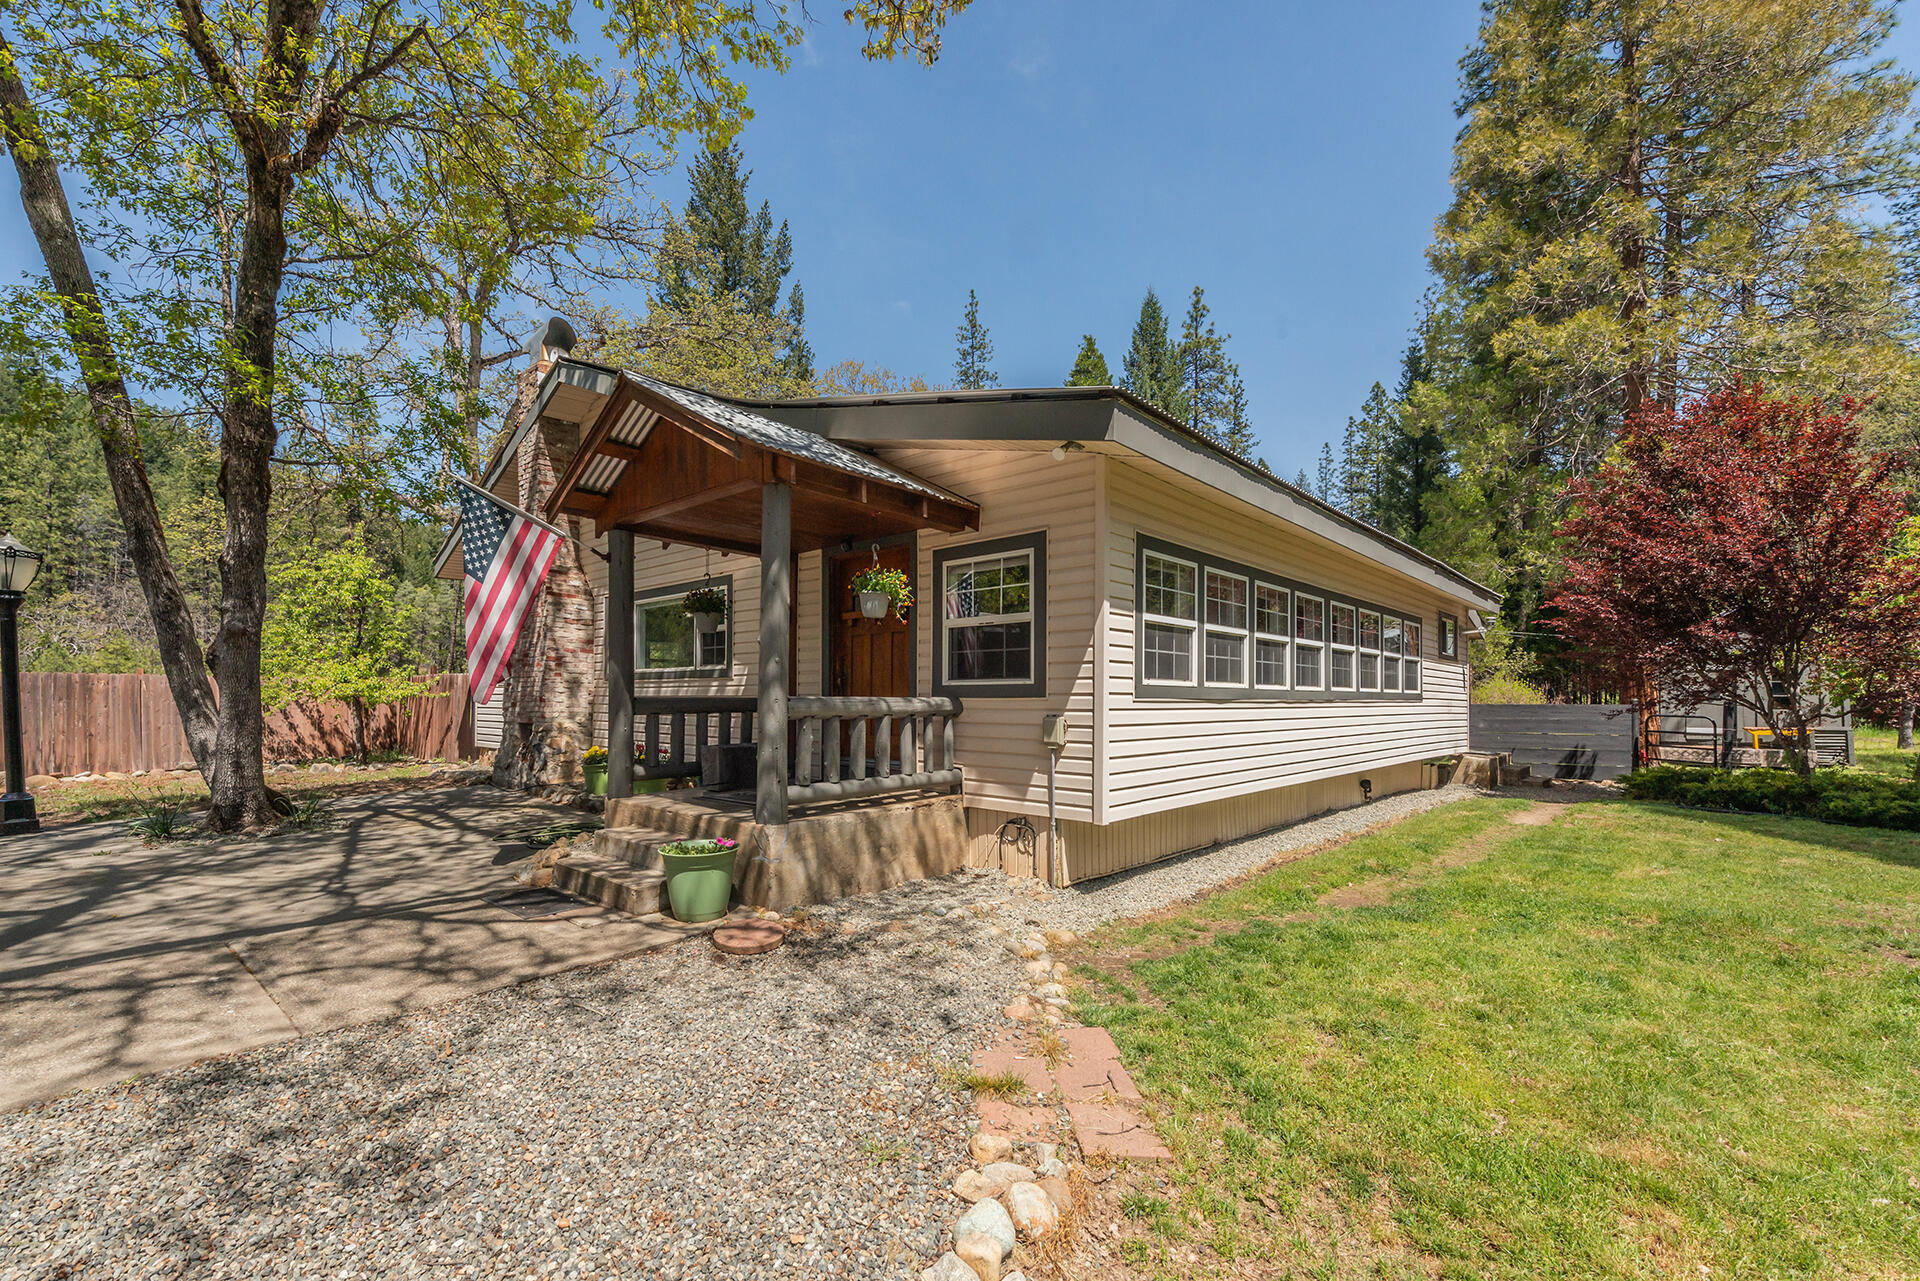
(224, 151)
(1743, 549)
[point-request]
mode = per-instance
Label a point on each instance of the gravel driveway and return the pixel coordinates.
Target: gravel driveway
(676, 1115)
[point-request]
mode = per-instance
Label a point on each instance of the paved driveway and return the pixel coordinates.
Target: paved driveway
(117, 960)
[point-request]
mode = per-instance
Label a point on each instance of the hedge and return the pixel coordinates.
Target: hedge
(1850, 796)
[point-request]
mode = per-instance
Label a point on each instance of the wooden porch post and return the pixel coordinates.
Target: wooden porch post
(776, 630)
(619, 649)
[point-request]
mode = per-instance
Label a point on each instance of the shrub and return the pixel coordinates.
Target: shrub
(1855, 797)
(1504, 687)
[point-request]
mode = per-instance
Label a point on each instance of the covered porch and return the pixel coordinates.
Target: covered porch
(662, 462)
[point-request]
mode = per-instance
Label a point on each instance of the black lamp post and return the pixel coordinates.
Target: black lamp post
(17, 568)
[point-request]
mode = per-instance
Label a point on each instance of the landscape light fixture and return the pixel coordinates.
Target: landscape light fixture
(18, 567)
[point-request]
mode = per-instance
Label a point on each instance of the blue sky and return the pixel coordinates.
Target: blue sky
(1065, 154)
(1061, 157)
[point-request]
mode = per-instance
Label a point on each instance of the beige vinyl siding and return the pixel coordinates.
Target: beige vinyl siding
(1166, 754)
(997, 740)
(1092, 850)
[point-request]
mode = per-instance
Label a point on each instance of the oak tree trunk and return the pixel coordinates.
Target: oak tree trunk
(83, 318)
(1904, 724)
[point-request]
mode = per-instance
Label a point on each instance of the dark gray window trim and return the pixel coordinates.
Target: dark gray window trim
(1204, 693)
(1447, 622)
(653, 596)
(830, 554)
(1036, 543)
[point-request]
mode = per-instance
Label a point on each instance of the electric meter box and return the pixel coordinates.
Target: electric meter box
(1053, 731)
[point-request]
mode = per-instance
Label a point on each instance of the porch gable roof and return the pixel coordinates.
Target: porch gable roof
(669, 462)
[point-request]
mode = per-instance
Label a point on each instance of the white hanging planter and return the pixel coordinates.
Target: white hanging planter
(873, 604)
(705, 624)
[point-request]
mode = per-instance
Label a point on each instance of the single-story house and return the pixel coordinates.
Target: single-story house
(1126, 642)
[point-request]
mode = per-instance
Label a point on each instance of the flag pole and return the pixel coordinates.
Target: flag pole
(518, 511)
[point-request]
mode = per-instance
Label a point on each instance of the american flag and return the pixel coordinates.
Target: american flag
(506, 553)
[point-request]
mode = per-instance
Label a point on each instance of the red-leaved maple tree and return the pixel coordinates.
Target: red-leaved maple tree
(1744, 549)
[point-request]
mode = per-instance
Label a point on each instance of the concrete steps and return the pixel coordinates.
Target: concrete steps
(612, 882)
(637, 847)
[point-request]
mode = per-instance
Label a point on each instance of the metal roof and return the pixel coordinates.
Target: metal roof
(742, 419)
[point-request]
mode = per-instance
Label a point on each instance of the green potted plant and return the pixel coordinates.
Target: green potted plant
(593, 762)
(877, 589)
(699, 877)
(707, 607)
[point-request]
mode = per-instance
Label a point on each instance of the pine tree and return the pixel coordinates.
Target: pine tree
(1151, 369)
(1206, 375)
(1237, 432)
(1303, 482)
(726, 247)
(1329, 487)
(798, 357)
(1089, 367)
(1647, 197)
(972, 366)
(1413, 460)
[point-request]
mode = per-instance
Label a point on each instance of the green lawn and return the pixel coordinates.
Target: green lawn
(1874, 749)
(1636, 1041)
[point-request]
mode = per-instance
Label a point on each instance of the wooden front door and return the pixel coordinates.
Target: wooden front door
(868, 657)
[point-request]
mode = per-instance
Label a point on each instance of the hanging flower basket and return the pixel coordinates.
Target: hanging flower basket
(707, 607)
(877, 590)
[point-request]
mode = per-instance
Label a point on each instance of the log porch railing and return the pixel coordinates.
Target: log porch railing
(868, 768)
(670, 730)
(827, 764)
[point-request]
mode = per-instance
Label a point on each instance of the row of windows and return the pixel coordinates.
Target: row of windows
(1204, 626)
(1213, 627)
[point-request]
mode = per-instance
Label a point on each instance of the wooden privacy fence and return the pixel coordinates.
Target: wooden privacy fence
(1573, 740)
(82, 722)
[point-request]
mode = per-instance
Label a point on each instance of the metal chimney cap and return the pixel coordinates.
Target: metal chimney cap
(555, 335)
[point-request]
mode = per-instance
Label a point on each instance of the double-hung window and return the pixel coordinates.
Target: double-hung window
(991, 639)
(1271, 608)
(1170, 612)
(1309, 640)
(1340, 647)
(665, 639)
(1209, 627)
(1226, 629)
(1369, 652)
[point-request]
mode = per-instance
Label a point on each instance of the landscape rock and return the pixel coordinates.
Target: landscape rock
(40, 782)
(949, 1267)
(1052, 1168)
(988, 1147)
(989, 1217)
(971, 1186)
(1057, 1192)
(1050, 992)
(981, 1254)
(1032, 1211)
(1004, 1174)
(1021, 1011)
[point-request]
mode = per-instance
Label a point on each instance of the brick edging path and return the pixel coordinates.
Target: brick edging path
(1074, 1087)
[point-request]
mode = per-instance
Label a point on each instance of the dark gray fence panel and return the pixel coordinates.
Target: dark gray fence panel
(1577, 740)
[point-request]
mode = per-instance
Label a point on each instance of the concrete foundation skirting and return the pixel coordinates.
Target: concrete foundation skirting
(820, 856)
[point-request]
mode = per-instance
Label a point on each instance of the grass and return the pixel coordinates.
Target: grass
(127, 798)
(1873, 749)
(1635, 1042)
